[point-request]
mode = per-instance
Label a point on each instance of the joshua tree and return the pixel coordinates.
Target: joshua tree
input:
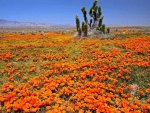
(103, 28)
(78, 25)
(90, 23)
(83, 26)
(95, 23)
(84, 14)
(84, 29)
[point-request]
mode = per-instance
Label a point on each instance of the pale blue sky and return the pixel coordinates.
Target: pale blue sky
(115, 12)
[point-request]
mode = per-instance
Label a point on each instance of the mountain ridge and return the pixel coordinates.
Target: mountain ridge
(16, 24)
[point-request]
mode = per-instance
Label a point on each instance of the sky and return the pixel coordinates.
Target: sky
(115, 12)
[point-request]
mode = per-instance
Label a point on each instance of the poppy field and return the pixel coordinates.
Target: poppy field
(55, 73)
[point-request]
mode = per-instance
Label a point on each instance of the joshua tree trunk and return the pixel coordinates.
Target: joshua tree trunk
(95, 24)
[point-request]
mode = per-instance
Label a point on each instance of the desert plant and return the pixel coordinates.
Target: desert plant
(96, 21)
(79, 32)
(85, 29)
(100, 22)
(90, 23)
(84, 14)
(103, 28)
(83, 26)
(78, 25)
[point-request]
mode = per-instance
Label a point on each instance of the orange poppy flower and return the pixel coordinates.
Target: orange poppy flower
(148, 90)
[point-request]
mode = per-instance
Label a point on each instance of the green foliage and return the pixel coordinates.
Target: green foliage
(96, 21)
(92, 8)
(90, 23)
(100, 22)
(95, 11)
(83, 26)
(84, 14)
(85, 30)
(103, 28)
(94, 4)
(79, 32)
(78, 25)
(99, 11)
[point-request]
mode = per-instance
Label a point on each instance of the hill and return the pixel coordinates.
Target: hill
(15, 24)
